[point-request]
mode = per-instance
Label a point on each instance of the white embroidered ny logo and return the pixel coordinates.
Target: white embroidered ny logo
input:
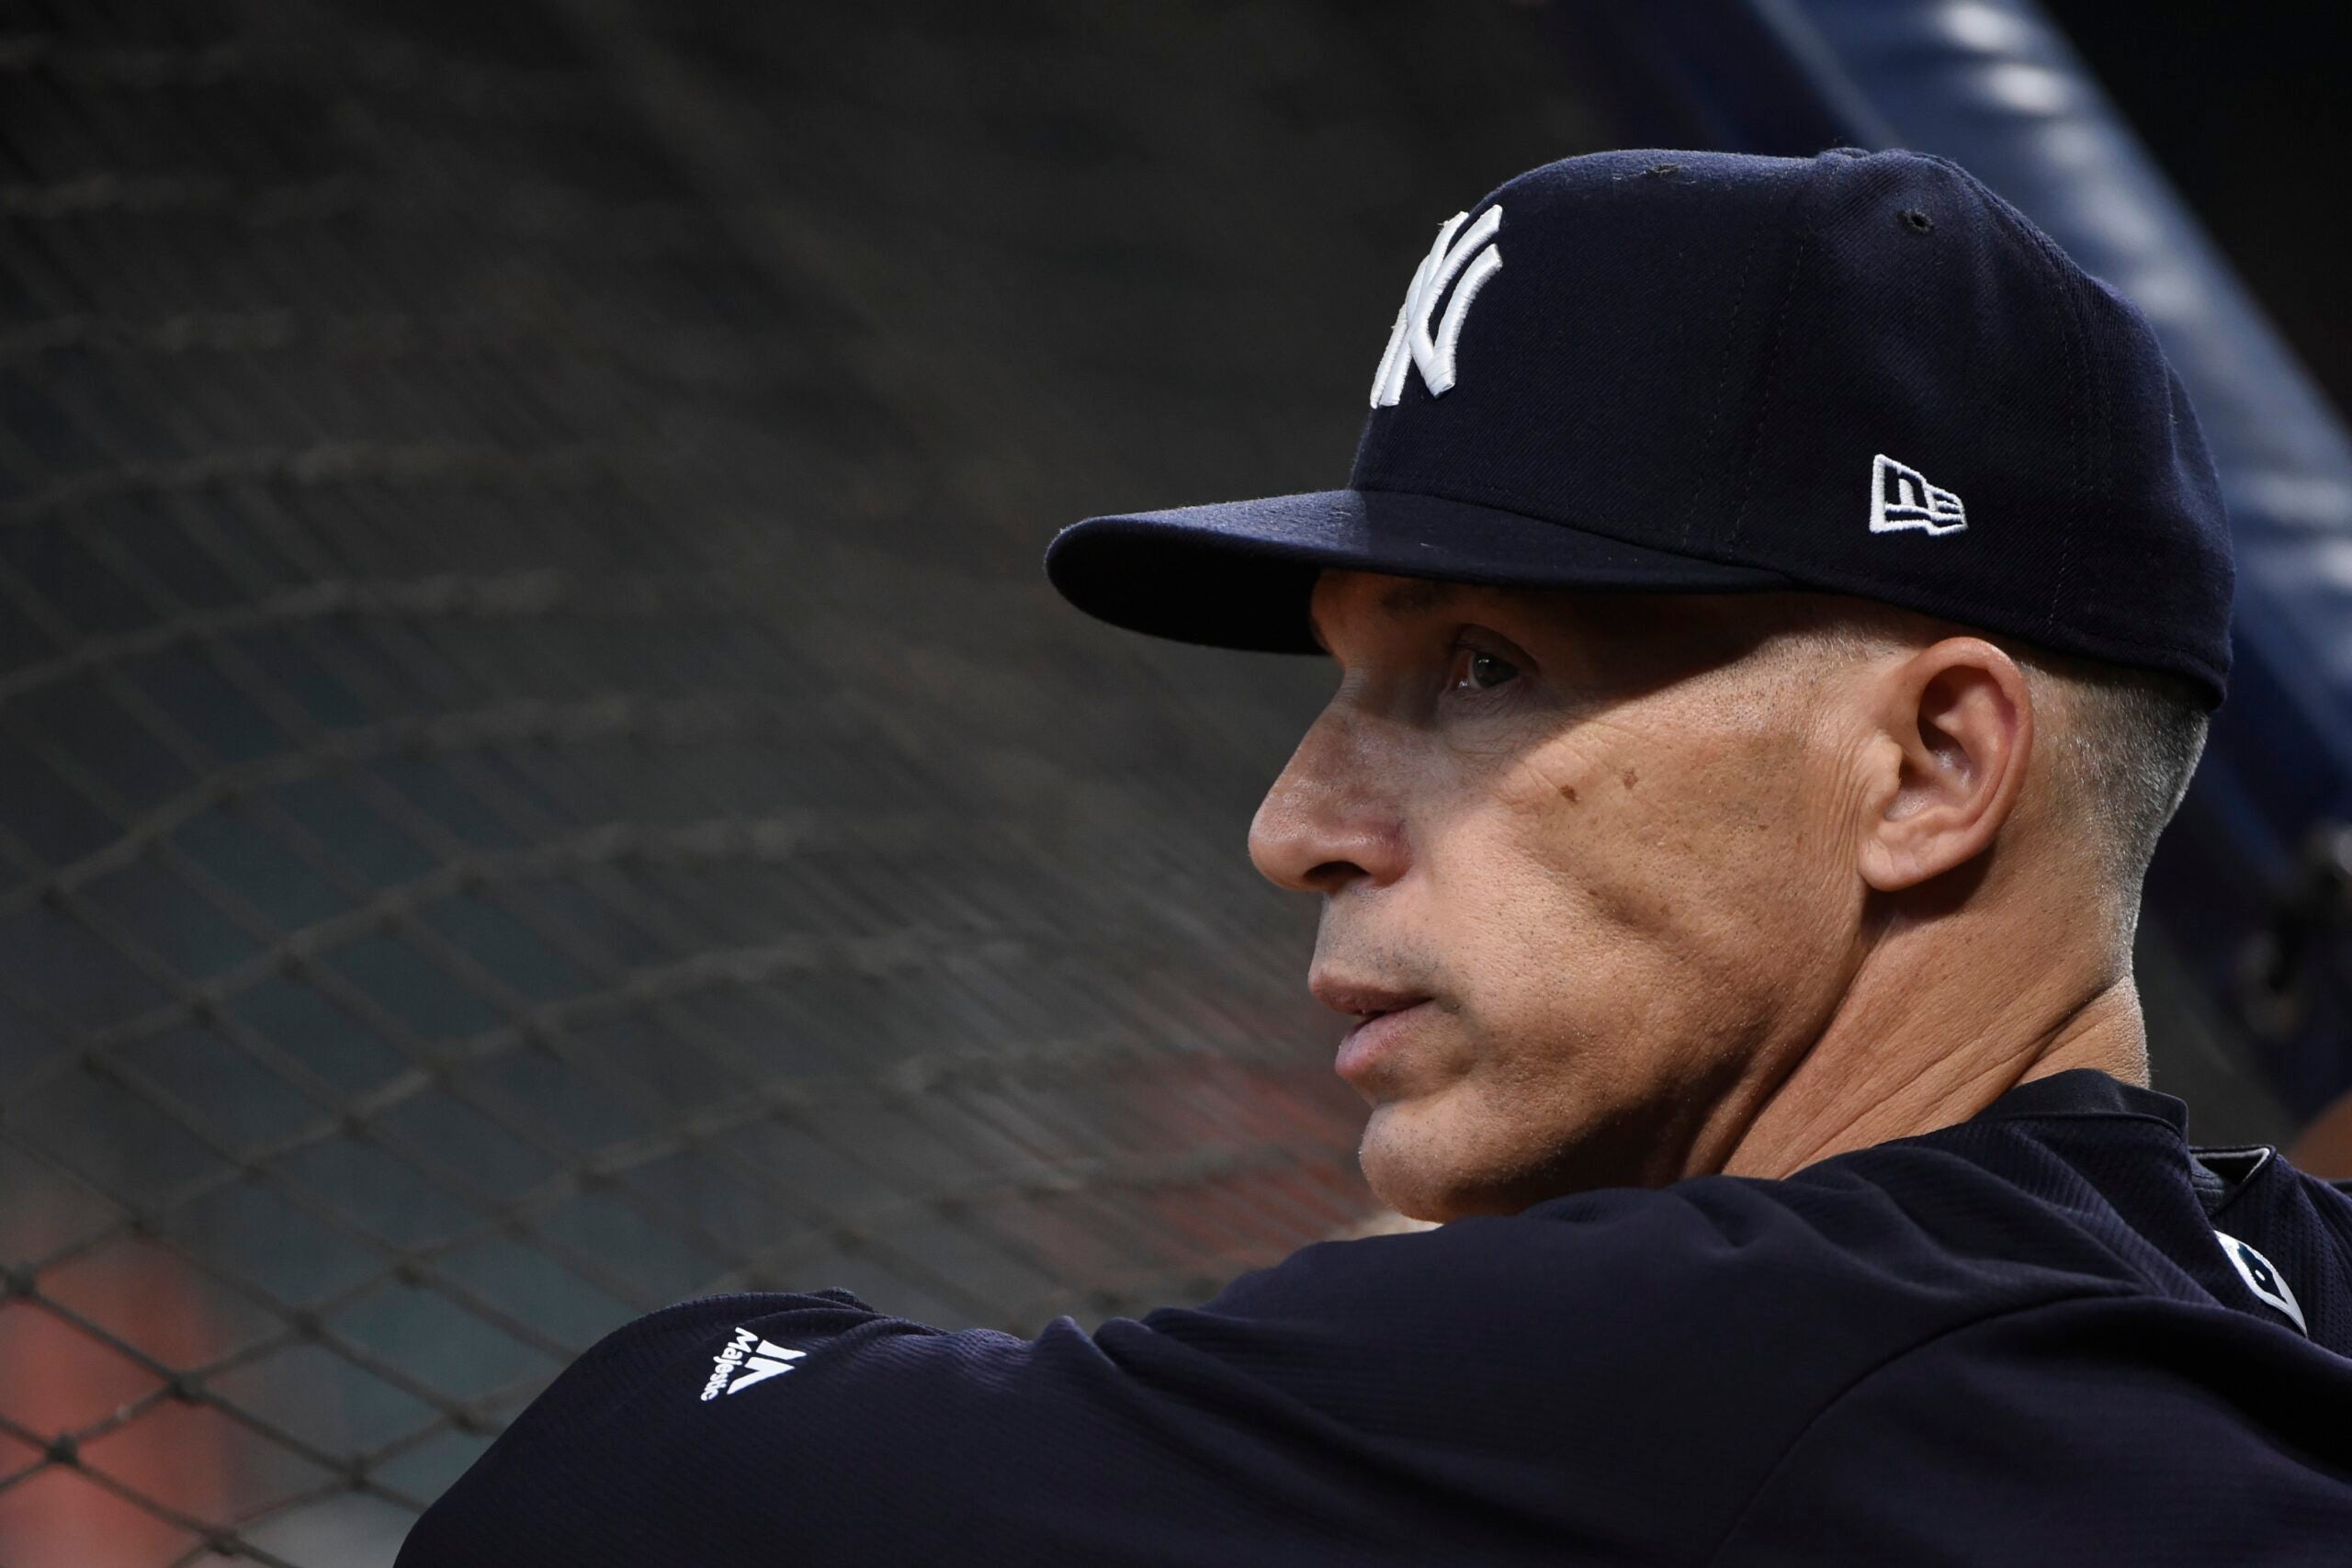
(1435, 355)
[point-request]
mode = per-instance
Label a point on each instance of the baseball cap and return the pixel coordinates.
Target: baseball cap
(1861, 373)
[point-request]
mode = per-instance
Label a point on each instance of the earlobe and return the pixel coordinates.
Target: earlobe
(1960, 721)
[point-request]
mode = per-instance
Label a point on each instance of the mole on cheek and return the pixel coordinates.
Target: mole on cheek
(1628, 777)
(1569, 794)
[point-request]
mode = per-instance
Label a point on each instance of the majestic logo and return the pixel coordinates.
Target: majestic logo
(2262, 1279)
(1901, 497)
(747, 1354)
(1409, 341)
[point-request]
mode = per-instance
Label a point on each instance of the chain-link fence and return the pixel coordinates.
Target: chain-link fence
(538, 774)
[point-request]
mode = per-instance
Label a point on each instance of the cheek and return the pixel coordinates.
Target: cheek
(1540, 907)
(1757, 850)
(1649, 882)
(1614, 924)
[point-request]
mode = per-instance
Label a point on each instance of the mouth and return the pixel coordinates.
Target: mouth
(1364, 1002)
(1382, 1024)
(1376, 1034)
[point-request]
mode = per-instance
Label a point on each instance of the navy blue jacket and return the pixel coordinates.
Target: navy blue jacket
(2021, 1339)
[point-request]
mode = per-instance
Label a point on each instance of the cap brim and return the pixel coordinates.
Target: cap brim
(1239, 573)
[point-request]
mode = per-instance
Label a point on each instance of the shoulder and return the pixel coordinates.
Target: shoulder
(1693, 1332)
(1898, 1242)
(1755, 1302)
(2085, 1429)
(1624, 1368)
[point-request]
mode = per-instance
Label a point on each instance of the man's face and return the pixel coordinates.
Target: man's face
(1605, 836)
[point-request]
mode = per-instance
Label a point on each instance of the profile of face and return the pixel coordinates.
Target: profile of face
(1592, 855)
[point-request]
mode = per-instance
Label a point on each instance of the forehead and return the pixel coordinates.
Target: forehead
(1388, 598)
(1586, 612)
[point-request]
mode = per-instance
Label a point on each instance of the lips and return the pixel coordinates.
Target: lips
(1363, 1000)
(1382, 1015)
(1375, 1036)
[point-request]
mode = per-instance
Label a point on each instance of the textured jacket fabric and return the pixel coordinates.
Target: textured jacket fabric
(2015, 1340)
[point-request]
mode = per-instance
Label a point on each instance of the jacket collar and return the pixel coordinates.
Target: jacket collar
(2085, 1091)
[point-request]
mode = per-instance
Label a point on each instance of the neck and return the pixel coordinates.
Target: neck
(1896, 1061)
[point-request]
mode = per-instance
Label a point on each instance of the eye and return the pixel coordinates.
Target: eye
(1480, 669)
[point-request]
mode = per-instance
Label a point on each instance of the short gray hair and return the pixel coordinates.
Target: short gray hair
(2127, 746)
(2124, 743)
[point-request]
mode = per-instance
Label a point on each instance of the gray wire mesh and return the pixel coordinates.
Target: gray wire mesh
(538, 775)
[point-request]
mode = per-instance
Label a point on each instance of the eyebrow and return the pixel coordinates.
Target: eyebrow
(1405, 599)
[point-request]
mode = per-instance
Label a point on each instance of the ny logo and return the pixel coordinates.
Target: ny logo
(1435, 355)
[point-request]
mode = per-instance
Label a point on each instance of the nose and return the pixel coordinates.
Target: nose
(1332, 817)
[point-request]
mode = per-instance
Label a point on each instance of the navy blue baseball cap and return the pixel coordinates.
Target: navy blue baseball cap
(1860, 373)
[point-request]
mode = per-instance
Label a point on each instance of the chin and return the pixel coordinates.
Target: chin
(1414, 1168)
(1428, 1161)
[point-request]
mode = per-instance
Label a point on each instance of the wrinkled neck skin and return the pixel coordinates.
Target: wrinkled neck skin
(1939, 1018)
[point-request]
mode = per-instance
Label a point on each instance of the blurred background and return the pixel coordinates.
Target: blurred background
(540, 776)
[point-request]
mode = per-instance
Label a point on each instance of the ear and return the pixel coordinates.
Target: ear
(1960, 721)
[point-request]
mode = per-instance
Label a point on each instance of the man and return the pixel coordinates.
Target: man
(1776, 609)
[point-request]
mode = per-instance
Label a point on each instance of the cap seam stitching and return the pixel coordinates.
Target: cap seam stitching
(1722, 370)
(1771, 363)
(2087, 392)
(2071, 325)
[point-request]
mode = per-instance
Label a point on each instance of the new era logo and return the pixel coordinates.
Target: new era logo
(1901, 497)
(747, 1360)
(1409, 340)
